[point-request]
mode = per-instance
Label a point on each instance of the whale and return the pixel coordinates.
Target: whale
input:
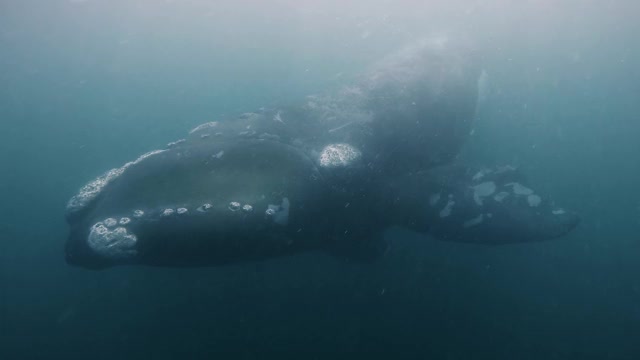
(330, 173)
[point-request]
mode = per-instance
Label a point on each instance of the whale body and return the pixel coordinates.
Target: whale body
(331, 174)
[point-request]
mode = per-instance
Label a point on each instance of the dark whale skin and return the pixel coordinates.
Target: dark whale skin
(328, 174)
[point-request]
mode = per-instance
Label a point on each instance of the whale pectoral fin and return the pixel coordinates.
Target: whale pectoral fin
(365, 248)
(489, 206)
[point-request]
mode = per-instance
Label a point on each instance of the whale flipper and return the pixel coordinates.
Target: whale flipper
(483, 206)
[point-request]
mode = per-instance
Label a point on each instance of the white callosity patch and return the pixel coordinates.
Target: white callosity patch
(247, 208)
(209, 125)
(499, 197)
(175, 143)
(205, 208)
(336, 155)
(138, 213)
(446, 211)
(473, 222)
(110, 222)
(483, 190)
(182, 211)
(167, 212)
(90, 192)
(234, 206)
(520, 189)
(534, 200)
(124, 221)
(279, 213)
(115, 243)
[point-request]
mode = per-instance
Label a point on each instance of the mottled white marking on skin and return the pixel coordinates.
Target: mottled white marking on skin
(473, 222)
(219, 154)
(520, 189)
(480, 174)
(446, 211)
(182, 211)
(335, 155)
(483, 190)
(138, 213)
(205, 208)
(279, 213)
(278, 117)
(234, 206)
(501, 196)
(247, 208)
(209, 125)
(534, 200)
(124, 221)
(433, 199)
(558, 212)
(115, 244)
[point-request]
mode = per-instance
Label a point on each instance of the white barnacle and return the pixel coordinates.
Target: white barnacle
(124, 221)
(338, 155)
(182, 211)
(483, 190)
(247, 208)
(138, 213)
(205, 207)
(234, 206)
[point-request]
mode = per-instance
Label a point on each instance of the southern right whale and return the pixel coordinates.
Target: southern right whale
(329, 174)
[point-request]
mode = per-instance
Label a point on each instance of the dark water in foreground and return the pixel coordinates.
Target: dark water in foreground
(88, 85)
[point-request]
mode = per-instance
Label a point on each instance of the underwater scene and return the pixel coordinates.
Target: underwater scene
(281, 179)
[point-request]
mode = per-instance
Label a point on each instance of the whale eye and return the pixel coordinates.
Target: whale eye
(234, 206)
(205, 207)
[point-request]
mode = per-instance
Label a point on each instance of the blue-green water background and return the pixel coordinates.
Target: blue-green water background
(88, 85)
